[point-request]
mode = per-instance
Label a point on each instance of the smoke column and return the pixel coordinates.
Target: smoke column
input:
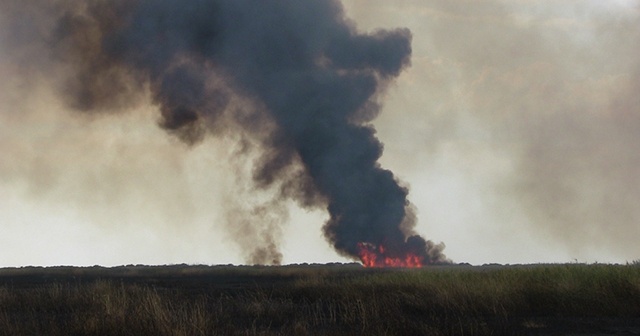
(296, 76)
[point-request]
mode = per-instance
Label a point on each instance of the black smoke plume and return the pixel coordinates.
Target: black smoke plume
(311, 80)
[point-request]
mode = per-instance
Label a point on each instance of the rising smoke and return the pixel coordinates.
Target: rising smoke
(294, 79)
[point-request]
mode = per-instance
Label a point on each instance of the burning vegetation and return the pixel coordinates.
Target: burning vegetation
(372, 256)
(414, 253)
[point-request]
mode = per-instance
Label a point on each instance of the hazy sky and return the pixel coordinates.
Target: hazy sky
(516, 129)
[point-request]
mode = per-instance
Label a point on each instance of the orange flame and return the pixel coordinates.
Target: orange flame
(372, 256)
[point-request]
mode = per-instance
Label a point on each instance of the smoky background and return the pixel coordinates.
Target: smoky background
(518, 126)
(514, 128)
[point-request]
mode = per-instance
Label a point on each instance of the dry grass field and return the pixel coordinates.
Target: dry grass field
(335, 299)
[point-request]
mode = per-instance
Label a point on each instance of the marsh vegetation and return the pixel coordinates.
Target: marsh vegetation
(319, 299)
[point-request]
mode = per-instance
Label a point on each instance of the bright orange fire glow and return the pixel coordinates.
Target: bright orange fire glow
(372, 256)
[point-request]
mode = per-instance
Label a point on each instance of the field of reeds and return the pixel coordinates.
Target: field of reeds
(336, 299)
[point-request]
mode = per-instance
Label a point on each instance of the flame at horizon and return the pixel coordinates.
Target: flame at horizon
(372, 256)
(411, 254)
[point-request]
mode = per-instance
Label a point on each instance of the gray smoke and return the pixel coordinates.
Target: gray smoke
(556, 86)
(538, 100)
(292, 78)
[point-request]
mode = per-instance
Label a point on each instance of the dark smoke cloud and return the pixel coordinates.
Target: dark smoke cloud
(294, 78)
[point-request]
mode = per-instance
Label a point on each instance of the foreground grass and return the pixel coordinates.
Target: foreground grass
(338, 299)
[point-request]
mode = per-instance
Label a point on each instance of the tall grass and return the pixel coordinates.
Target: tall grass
(316, 300)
